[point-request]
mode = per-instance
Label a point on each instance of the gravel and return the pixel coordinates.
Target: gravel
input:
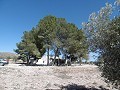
(15, 77)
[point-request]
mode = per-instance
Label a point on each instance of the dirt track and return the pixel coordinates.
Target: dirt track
(44, 78)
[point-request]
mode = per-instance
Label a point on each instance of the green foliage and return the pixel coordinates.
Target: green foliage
(96, 28)
(53, 33)
(30, 45)
(111, 56)
(47, 27)
(62, 36)
(103, 36)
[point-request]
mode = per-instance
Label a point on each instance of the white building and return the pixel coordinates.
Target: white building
(43, 60)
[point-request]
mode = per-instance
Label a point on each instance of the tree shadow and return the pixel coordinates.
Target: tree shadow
(80, 87)
(77, 87)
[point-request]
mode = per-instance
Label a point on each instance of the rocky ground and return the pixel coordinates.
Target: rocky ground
(85, 77)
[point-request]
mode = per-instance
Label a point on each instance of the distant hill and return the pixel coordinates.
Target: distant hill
(7, 55)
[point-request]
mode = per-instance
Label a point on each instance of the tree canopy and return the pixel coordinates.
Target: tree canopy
(103, 36)
(55, 34)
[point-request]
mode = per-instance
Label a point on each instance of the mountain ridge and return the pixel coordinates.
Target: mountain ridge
(5, 55)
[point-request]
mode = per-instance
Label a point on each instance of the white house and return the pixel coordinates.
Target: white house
(43, 60)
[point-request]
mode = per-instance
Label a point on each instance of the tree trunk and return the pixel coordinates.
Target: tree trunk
(55, 56)
(48, 56)
(65, 57)
(80, 61)
(28, 57)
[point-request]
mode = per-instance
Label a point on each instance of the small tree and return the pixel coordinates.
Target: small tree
(29, 46)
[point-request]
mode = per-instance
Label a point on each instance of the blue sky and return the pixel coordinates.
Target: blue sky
(17, 16)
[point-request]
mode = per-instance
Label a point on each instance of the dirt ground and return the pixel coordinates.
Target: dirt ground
(85, 77)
